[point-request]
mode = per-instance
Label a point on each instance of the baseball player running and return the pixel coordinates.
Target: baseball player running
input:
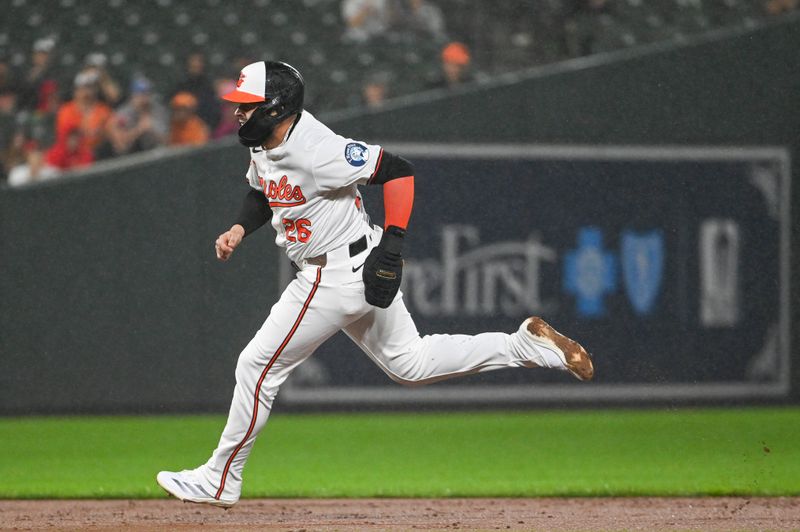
(304, 179)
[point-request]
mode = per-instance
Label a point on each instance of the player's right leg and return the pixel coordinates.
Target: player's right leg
(304, 317)
(390, 338)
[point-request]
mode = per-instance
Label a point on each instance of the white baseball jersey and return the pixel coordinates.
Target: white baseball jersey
(310, 181)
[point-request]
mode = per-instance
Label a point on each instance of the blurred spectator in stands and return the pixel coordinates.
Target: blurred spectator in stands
(40, 124)
(85, 112)
(70, 151)
(7, 77)
(110, 92)
(37, 118)
(8, 118)
(418, 17)
(186, 127)
(200, 85)
(366, 19)
(456, 61)
(14, 154)
(140, 124)
(376, 89)
(778, 7)
(11, 154)
(228, 123)
(35, 168)
(40, 81)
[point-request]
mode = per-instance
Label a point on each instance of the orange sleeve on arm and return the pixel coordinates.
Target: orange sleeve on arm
(398, 199)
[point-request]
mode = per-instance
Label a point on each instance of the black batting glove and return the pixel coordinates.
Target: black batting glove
(383, 269)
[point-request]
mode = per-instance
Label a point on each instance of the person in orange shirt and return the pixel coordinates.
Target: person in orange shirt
(85, 112)
(186, 127)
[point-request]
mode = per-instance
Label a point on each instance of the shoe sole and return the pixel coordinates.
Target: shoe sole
(578, 361)
(215, 503)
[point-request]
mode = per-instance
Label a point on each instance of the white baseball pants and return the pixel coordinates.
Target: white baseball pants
(319, 302)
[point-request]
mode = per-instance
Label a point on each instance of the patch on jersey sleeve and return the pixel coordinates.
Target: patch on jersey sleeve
(356, 154)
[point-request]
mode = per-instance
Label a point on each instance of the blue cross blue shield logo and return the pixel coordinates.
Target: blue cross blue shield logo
(590, 272)
(642, 268)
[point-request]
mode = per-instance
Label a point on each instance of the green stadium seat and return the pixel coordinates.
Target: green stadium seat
(154, 36)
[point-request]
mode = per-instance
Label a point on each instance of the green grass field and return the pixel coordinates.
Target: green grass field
(754, 451)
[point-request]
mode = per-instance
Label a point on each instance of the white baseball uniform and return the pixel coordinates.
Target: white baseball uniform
(311, 184)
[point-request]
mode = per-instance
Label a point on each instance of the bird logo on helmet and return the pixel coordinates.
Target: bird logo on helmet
(277, 87)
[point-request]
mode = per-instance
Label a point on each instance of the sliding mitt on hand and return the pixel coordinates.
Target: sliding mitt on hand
(383, 269)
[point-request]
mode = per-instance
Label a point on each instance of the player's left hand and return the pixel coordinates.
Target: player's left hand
(383, 269)
(228, 241)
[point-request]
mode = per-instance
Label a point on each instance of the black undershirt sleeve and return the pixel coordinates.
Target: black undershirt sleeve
(391, 167)
(254, 213)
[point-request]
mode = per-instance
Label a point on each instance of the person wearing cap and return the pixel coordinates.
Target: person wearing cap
(85, 111)
(455, 60)
(141, 123)
(186, 127)
(41, 80)
(110, 92)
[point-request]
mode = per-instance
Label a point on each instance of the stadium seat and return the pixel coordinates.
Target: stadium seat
(154, 37)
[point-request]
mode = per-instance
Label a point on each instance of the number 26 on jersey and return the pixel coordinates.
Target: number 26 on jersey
(297, 230)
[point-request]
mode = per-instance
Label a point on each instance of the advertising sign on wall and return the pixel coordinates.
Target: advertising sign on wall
(670, 264)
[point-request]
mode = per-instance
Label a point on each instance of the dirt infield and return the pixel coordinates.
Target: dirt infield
(723, 513)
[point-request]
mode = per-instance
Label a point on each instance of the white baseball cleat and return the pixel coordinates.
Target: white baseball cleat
(554, 350)
(185, 486)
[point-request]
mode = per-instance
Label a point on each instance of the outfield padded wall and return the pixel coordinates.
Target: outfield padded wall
(112, 297)
(113, 301)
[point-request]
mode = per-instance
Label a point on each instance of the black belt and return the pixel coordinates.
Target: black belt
(356, 247)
